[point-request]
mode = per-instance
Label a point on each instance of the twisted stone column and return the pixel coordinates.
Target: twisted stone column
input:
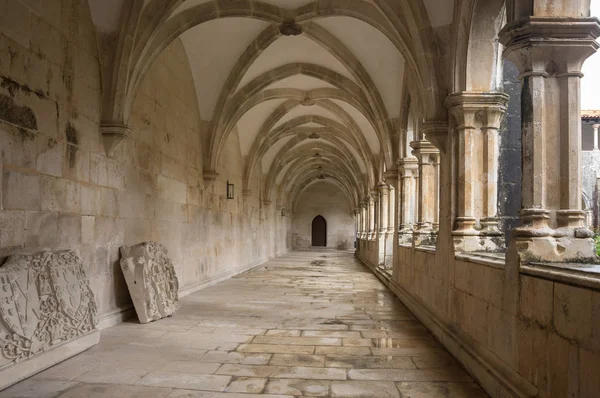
(549, 53)
(477, 118)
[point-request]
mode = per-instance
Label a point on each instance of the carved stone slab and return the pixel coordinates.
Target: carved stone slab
(45, 301)
(151, 280)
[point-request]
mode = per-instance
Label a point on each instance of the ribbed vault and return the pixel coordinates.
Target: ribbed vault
(292, 79)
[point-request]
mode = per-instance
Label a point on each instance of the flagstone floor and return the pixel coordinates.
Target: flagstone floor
(315, 324)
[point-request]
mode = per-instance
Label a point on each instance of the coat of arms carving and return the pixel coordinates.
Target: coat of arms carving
(45, 300)
(151, 280)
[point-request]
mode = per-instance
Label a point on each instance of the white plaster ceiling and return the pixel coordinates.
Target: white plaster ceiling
(268, 158)
(250, 124)
(291, 50)
(359, 159)
(287, 4)
(366, 127)
(282, 173)
(307, 83)
(314, 110)
(441, 12)
(311, 124)
(213, 48)
(376, 53)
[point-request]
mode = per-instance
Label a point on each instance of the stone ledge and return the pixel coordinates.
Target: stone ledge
(496, 260)
(495, 376)
(426, 249)
(583, 275)
(22, 370)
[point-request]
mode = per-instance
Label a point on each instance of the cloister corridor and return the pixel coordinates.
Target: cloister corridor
(300, 198)
(312, 323)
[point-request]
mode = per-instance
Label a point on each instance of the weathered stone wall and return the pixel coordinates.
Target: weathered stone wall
(60, 190)
(540, 334)
(509, 162)
(327, 200)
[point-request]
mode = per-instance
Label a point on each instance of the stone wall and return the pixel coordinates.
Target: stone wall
(327, 200)
(538, 336)
(61, 191)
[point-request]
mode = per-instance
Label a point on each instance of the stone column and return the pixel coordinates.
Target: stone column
(391, 211)
(364, 219)
(475, 152)
(408, 169)
(372, 223)
(358, 222)
(549, 53)
(384, 196)
(428, 157)
(596, 127)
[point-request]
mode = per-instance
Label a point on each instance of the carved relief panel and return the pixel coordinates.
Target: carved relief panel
(151, 280)
(45, 300)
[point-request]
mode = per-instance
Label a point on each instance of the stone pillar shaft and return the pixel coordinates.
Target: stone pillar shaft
(475, 152)
(596, 128)
(428, 158)
(384, 195)
(391, 211)
(428, 191)
(371, 216)
(364, 219)
(549, 53)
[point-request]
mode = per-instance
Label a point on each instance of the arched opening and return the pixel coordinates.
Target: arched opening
(319, 232)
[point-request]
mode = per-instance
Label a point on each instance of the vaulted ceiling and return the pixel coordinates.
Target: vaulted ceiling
(314, 89)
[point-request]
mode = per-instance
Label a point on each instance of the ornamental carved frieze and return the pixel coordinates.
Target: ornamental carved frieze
(45, 300)
(151, 280)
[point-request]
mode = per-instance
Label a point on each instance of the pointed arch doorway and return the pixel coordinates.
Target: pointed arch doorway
(319, 232)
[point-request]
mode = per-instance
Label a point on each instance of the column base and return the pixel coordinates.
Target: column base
(479, 243)
(556, 249)
(424, 235)
(381, 258)
(405, 236)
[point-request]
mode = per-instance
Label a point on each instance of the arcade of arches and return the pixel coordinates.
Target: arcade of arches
(440, 138)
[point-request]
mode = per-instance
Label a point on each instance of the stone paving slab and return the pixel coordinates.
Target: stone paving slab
(287, 329)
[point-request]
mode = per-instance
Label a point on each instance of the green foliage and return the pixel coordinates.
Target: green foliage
(597, 241)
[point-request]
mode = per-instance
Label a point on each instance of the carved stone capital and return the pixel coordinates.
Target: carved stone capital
(384, 188)
(391, 177)
(209, 176)
(113, 134)
(535, 42)
(436, 132)
(408, 167)
(472, 108)
(425, 152)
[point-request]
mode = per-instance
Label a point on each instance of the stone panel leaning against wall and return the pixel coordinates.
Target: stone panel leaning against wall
(59, 189)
